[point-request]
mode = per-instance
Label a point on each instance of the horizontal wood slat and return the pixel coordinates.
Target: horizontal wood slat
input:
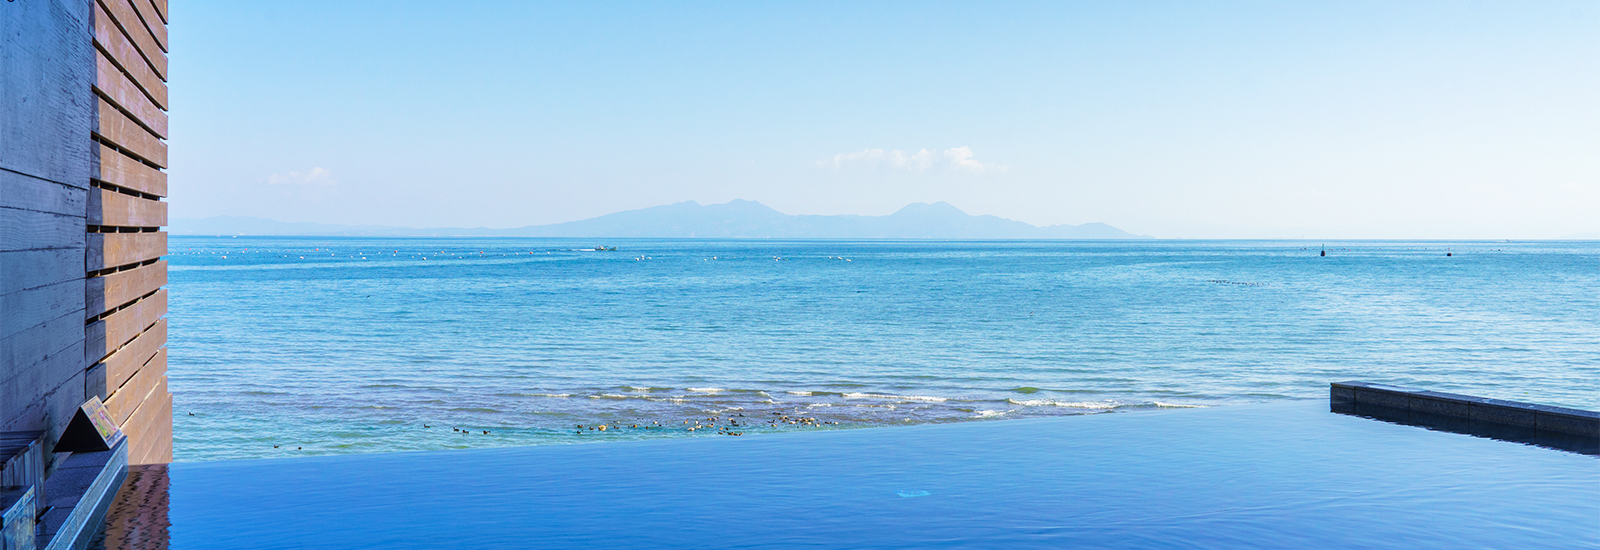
(111, 40)
(119, 249)
(30, 193)
(148, 415)
(161, 10)
(117, 129)
(111, 208)
(111, 333)
(152, 22)
(157, 448)
(121, 365)
(160, 451)
(116, 87)
(142, 406)
(122, 14)
(26, 309)
(125, 399)
(105, 293)
(125, 171)
(25, 269)
(30, 230)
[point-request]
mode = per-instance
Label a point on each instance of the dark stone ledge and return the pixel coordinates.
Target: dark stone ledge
(1547, 426)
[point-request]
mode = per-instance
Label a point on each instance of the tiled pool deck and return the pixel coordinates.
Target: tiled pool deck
(1284, 475)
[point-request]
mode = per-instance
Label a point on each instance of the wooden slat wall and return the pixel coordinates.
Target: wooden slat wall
(120, 209)
(125, 330)
(129, 173)
(121, 250)
(109, 291)
(125, 362)
(127, 58)
(118, 131)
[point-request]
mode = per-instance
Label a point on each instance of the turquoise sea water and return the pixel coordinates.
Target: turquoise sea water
(354, 345)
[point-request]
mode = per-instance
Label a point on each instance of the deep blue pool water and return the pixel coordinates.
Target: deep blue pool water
(1280, 475)
(357, 345)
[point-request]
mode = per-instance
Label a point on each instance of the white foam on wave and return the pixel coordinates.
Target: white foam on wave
(798, 392)
(1101, 405)
(546, 394)
(989, 414)
(706, 390)
(1176, 405)
(609, 396)
(815, 405)
(923, 398)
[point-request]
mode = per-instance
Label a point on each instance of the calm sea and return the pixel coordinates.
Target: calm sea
(288, 346)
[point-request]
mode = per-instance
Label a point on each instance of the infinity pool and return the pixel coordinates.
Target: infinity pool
(1281, 475)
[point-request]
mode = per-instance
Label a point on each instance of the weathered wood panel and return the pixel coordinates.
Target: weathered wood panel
(121, 365)
(107, 335)
(118, 249)
(162, 453)
(122, 53)
(111, 208)
(124, 171)
(143, 416)
(108, 292)
(123, 15)
(122, 401)
(161, 9)
(155, 444)
(152, 22)
(116, 128)
(119, 89)
(30, 193)
(43, 407)
(30, 230)
(41, 375)
(24, 269)
(46, 60)
(94, 382)
(25, 309)
(37, 345)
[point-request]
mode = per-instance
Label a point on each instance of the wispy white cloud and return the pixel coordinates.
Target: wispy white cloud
(953, 159)
(315, 177)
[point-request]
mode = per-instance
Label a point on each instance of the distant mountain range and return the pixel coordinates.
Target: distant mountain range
(736, 219)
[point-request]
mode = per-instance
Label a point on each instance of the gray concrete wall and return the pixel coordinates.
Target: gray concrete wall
(47, 67)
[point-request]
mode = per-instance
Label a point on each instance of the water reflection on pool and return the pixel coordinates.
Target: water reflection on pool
(1283, 475)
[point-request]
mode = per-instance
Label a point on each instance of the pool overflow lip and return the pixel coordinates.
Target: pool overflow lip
(1562, 428)
(57, 499)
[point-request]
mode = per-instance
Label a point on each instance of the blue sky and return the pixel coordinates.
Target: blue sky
(1456, 119)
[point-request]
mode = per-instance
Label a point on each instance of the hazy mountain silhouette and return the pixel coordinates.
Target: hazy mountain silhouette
(735, 219)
